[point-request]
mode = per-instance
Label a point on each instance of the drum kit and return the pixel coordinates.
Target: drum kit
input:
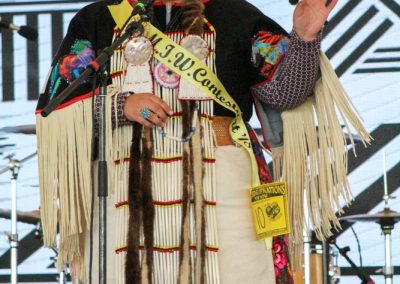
(317, 264)
(386, 219)
(31, 217)
(320, 260)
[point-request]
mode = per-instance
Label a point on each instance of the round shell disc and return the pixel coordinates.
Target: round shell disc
(138, 50)
(196, 45)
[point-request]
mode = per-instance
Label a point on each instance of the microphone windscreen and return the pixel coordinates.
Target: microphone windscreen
(28, 32)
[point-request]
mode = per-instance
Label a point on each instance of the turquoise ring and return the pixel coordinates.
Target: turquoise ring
(145, 113)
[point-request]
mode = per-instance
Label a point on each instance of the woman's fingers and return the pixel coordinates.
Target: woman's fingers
(158, 115)
(156, 119)
(165, 107)
(147, 110)
(332, 4)
(144, 122)
(161, 114)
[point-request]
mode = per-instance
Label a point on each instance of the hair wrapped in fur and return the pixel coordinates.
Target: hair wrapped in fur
(187, 183)
(193, 16)
(141, 206)
(140, 193)
(133, 270)
(192, 23)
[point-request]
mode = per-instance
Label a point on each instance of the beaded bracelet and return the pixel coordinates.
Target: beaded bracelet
(192, 130)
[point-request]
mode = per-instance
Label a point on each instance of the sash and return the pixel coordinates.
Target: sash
(190, 68)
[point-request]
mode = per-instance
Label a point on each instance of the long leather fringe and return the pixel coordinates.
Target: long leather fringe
(315, 164)
(65, 181)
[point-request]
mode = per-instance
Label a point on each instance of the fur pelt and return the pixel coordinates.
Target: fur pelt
(147, 200)
(132, 263)
(193, 16)
(184, 250)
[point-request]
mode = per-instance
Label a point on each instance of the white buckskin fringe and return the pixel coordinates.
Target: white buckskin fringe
(64, 155)
(277, 158)
(167, 174)
(315, 160)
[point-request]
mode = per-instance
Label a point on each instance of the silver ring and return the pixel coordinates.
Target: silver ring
(145, 113)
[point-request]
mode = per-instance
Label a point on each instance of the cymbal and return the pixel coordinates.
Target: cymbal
(384, 215)
(22, 129)
(29, 217)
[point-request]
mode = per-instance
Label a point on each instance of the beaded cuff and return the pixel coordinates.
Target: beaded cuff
(120, 118)
(295, 76)
(117, 111)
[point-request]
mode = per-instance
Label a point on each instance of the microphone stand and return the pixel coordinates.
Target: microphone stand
(134, 28)
(102, 178)
(14, 166)
(95, 65)
(365, 278)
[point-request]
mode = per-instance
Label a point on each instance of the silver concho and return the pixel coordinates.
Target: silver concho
(196, 45)
(138, 50)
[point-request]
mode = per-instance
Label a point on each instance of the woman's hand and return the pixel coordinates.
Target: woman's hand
(310, 16)
(136, 104)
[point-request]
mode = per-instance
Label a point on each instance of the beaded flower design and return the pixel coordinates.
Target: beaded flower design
(70, 66)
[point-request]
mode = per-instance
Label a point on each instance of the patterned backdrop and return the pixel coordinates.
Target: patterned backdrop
(362, 39)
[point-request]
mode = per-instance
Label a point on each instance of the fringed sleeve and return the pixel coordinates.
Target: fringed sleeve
(291, 103)
(64, 141)
(290, 67)
(64, 150)
(75, 52)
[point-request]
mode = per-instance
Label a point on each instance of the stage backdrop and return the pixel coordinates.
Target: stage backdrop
(362, 39)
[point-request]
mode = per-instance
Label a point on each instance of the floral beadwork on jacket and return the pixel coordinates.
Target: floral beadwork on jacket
(267, 51)
(70, 66)
(280, 252)
(280, 248)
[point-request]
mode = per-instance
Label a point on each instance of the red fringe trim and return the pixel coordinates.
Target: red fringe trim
(166, 203)
(168, 250)
(165, 161)
(74, 100)
(117, 74)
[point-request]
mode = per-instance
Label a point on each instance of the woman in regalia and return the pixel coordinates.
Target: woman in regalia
(179, 177)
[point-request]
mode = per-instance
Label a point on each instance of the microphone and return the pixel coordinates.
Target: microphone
(25, 31)
(142, 7)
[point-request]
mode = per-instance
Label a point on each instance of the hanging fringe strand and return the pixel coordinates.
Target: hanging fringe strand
(315, 163)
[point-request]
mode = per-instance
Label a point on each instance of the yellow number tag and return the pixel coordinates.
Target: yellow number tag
(270, 210)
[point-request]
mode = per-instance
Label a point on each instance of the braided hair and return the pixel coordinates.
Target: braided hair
(193, 16)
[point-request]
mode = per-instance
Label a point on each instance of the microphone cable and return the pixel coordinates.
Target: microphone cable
(358, 245)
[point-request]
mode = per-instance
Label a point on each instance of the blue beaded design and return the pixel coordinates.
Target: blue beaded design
(187, 137)
(145, 113)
